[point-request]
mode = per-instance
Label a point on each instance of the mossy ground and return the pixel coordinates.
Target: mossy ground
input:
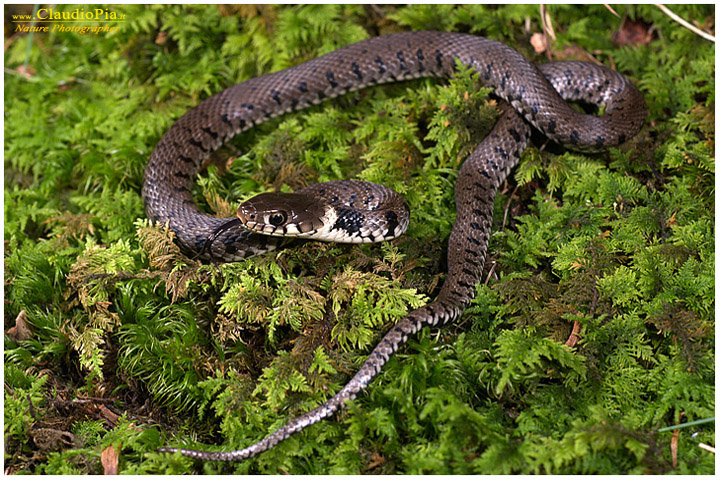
(116, 342)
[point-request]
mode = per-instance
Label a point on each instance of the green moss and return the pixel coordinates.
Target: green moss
(122, 341)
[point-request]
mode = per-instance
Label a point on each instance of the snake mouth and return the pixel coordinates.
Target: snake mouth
(287, 230)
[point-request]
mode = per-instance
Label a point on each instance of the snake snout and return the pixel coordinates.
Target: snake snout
(247, 216)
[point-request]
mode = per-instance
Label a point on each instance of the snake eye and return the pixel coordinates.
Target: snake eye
(278, 218)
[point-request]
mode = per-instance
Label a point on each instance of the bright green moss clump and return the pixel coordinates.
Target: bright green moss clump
(594, 330)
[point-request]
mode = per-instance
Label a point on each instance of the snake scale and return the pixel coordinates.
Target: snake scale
(532, 95)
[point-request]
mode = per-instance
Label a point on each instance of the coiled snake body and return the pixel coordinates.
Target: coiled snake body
(536, 96)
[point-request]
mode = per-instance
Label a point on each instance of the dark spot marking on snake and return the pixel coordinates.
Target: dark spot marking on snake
(401, 57)
(276, 96)
(331, 78)
(380, 64)
(224, 117)
(392, 222)
(186, 159)
(621, 138)
(474, 241)
(438, 59)
(552, 126)
(356, 70)
(481, 186)
(499, 150)
(348, 220)
(302, 86)
(475, 226)
(182, 175)
(248, 106)
(514, 133)
(420, 58)
(574, 136)
(197, 144)
(488, 71)
(599, 141)
(210, 132)
(504, 80)
(472, 262)
(387, 342)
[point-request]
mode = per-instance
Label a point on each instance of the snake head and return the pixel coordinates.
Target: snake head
(283, 214)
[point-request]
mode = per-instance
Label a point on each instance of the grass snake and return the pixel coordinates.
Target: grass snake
(532, 95)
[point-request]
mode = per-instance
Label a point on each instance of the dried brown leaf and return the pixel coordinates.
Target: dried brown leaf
(109, 459)
(21, 329)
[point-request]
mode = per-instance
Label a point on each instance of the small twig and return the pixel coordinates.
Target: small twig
(688, 424)
(574, 336)
(547, 22)
(490, 273)
(685, 24)
(548, 30)
(611, 10)
(707, 447)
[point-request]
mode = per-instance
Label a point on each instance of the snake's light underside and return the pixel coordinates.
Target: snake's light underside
(534, 96)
